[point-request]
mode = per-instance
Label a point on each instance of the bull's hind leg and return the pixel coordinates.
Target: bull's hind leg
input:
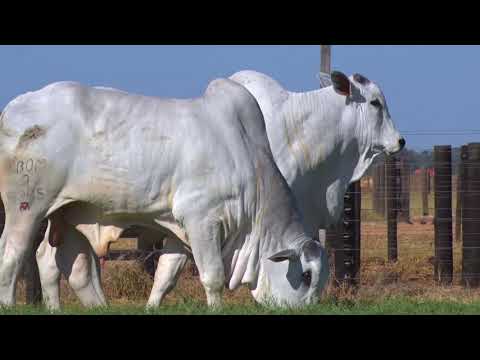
(170, 265)
(16, 240)
(49, 272)
(96, 278)
(75, 259)
(77, 262)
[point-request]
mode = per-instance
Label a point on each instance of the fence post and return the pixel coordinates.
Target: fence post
(442, 158)
(375, 191)
(331, 246)
(382, 188)
(471, 218)
(460, 192)
(404, 191)
(392, 182)
(425, 190)
(346, 238)
(351, 233)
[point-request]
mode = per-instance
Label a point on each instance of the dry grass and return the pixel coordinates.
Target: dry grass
(411, 277)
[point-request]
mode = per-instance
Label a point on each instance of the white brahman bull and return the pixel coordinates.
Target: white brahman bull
(200, 170)
(321, 140)
(324, 140)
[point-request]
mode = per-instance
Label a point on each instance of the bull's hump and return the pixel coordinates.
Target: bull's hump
(269, 94)
(226, 86)
(248, 76)
(230, 96)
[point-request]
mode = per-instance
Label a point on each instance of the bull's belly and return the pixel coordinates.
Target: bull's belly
(101, 228)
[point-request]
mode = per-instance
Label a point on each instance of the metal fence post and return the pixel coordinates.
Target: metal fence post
(352, 233)
(392, 182)
(471, 218)
(460, 194)
(442, 157)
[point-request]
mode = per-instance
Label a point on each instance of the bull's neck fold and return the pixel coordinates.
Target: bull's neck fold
(275, 225)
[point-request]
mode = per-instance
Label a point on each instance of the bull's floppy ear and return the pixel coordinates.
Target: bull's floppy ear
(311, 249)
(341, 83)
(284, 255)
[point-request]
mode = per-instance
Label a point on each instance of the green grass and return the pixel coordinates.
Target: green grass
(394, 306)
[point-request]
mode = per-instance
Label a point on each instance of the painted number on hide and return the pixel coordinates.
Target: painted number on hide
(27, 168)
(30, 165)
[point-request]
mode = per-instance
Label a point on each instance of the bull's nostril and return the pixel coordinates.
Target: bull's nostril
(402, 142)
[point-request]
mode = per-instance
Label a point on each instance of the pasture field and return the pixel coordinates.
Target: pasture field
(393, 306)
(405, 287)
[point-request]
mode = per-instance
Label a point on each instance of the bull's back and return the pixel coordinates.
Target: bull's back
(132, 152)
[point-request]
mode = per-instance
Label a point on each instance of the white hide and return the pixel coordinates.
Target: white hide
(322, 141)
(200, 168)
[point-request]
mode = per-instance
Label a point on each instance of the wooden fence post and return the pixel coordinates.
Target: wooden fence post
(443, 269)
(375, 192)
(378, 192)
(392, 182)
(471, 218)
(425, 190)
(460, 192)
(404, 191)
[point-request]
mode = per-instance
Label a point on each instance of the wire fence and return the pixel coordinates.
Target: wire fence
(423, 221)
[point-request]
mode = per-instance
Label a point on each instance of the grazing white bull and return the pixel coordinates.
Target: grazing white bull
(321, 140)
(200, 170)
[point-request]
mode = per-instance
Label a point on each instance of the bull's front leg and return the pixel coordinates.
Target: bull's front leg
(170, 265)
(205, 240)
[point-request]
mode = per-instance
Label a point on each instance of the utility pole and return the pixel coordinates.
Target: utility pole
(326, 58)
(343, 239)
(332, 234)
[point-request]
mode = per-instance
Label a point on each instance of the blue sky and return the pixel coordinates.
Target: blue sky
(428, 88)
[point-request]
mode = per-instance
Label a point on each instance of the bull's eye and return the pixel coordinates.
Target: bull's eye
(307, 277)
(376, 103)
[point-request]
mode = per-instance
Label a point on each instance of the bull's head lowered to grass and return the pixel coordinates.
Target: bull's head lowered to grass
(293, 277)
